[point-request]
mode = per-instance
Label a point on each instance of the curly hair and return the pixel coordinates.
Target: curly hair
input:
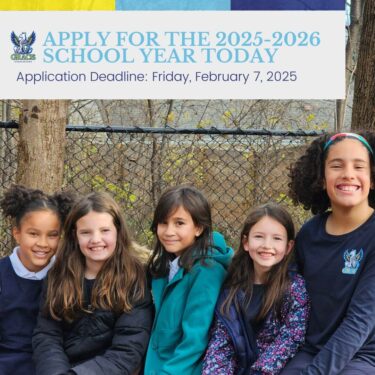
(307, 175)
(20, 200)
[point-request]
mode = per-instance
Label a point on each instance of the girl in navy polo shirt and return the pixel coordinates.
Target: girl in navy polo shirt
(37, 219)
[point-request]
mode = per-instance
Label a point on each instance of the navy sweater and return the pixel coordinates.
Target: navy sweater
(19, 305)
(340, 280)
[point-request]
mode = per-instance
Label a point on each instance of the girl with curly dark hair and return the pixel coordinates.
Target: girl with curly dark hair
(335, 252)
(36, 227)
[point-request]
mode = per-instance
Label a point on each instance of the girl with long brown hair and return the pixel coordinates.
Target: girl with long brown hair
(97, 312)
(261, 315)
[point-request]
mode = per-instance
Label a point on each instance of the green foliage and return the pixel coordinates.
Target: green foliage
(299, 214)
(120, 192)
(146, 236)
(204, 123)
(175, 161)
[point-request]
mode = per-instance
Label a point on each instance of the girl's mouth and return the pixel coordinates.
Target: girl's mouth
(348, 188)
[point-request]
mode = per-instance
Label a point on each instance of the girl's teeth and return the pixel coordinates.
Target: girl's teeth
(348, 188)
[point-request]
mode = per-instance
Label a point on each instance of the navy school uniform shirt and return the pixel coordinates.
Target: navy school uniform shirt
(19, 305)
(340, 280)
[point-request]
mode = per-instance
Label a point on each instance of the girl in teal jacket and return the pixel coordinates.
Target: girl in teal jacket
(188, 266)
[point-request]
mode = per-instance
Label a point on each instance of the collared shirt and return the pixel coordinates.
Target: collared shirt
(173, 268)
(23, 272)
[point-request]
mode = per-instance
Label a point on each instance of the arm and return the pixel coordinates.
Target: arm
(196, 320)
(129, 344)
(353, 331)
(291, 334)
(220, 355)
(48, 349)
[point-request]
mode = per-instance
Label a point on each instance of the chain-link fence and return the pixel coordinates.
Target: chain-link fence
(236, 169)
(8, 170)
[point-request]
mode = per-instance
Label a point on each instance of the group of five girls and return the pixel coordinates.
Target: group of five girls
(196, 310)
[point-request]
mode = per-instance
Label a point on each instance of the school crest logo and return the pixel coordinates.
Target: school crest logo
(22, 46)
(352, 261)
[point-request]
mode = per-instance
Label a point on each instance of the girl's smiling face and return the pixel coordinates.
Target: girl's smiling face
(267, 244)
(37, 236)
(347, 174)
(97, 239)
(178, 231)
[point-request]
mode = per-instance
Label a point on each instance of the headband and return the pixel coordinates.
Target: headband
(348, 135)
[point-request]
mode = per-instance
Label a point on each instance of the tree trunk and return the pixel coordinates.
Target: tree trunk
(351, 58)
(364, 89)
(42, 144)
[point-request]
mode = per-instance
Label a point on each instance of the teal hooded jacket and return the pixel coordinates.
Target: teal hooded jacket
(184, 309)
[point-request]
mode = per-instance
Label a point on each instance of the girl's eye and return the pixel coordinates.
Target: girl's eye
(53, 235)
(32, 234)
(180, 223)
(105, 230)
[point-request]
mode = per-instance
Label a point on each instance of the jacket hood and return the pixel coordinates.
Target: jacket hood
(220, 251)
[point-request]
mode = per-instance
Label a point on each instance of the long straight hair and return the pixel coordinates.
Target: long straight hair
(119, 283)
(241, 271)
(194, 202)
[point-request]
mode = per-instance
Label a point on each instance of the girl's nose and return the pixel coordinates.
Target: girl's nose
(42, 241)
(95, 237)
(267, 243)
(169, 229)
(348, 172)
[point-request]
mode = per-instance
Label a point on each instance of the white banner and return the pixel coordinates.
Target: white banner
(180, 55)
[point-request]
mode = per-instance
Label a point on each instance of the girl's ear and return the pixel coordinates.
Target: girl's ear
(198, 231)
(289, 247)
(16, 234)
(245, 243)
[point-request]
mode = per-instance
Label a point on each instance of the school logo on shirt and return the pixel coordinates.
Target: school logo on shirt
(22, 46)
(352, 261)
